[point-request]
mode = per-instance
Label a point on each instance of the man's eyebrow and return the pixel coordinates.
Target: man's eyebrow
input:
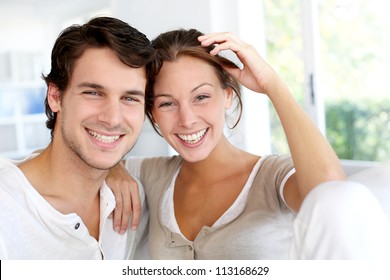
(97, 86)
(136, 92)
(90, 85)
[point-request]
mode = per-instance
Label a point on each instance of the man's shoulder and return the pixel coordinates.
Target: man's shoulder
(6, 162)
(10, 174)
(6, 166)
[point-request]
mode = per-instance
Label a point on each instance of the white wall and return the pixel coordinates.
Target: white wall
(240, 17)
(28, 30)
(155, 16)
(36, 28)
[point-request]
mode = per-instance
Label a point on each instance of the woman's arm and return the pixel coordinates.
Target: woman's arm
(128, 203)
(127, 198)
(314, 159)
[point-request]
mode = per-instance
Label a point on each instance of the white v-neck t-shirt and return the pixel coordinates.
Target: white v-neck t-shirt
(31, 228)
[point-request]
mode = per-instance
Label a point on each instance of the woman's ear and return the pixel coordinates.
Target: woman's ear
(229, 97)
(154, 122)
(54, 97)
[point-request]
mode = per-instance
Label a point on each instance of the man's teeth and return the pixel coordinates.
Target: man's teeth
(104, 138)
(192, 138)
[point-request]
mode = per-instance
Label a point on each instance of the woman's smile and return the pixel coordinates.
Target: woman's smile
(193, 138)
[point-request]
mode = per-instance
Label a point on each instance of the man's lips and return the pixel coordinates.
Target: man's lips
(103, 138)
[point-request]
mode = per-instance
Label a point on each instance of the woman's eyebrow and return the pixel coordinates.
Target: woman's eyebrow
(201, 85)
(162, 95)
(194, 89)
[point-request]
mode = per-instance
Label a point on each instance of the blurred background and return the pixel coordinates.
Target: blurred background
(333, 54)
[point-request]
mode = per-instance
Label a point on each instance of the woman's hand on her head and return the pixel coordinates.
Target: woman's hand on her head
(314, 159)
(256, 74)
(127, 198)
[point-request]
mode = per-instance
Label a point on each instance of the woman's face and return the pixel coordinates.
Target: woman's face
(189, 107)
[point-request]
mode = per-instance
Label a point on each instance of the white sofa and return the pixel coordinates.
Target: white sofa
(377, 179)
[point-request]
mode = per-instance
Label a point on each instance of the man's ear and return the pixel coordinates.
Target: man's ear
(54, 97)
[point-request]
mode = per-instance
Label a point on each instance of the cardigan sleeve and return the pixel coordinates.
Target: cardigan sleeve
(276, 170)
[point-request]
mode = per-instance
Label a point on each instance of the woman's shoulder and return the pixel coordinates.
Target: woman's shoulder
(162, 162)
(275, 170)
(157, 172)
(147, 166)
(275, 162)
(158, 167)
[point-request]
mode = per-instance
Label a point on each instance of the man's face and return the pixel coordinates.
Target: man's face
(101, 113)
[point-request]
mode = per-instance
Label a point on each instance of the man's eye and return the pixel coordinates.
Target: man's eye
(91, 92)
(131, 99)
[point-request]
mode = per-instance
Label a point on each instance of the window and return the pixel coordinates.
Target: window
(22, 113)
(355, 60)
(352, 59)
(284, 52)
(22, 91)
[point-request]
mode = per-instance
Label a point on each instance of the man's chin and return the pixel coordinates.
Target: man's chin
(103, 165)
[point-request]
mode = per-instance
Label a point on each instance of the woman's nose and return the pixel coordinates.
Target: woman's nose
(187, 116)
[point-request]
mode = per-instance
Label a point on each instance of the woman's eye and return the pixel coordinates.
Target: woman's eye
(165, 104)
(202, 97)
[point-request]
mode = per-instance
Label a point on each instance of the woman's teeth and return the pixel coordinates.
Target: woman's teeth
(192, 138)
(104, 138)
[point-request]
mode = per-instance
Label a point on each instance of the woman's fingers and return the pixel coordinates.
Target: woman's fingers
(222, 41)
(136, 206)
(126, 208)
(128, 204)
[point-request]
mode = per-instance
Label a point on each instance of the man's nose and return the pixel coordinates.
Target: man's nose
(111, 113)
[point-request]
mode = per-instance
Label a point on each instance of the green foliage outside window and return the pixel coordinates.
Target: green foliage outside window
(359, 131)
(354, 67)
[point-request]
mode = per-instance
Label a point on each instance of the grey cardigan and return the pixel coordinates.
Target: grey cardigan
(262, 231)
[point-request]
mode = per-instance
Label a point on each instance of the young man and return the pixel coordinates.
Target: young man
(56, 205)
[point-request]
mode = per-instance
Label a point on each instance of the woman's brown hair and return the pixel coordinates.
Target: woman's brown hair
(173, 44)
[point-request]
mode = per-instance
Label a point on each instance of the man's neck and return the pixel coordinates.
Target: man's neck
(67, 183)
(58, 173)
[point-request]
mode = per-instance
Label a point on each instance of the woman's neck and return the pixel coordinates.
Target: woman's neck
(224, 159)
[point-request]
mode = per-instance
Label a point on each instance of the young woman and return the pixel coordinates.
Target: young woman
(215, 201)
